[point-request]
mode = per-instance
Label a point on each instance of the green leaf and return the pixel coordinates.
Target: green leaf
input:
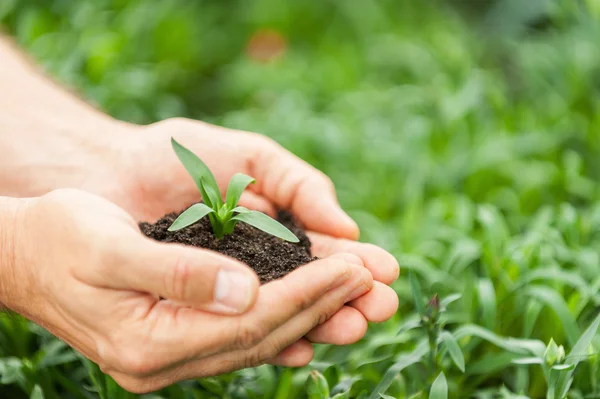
(454, 350)
(439, 388)
(487, 301)
(579, 351)
(417, 293)
(237, 185)
(444, 303)
(266, 224)
(403, 361)
(520, 346)
(37, 393)
(554, 301)
(316, 386)
(563, 367)
(529, 360)
(11, 370)
(203, 177)
(190, 216)
(342, 395)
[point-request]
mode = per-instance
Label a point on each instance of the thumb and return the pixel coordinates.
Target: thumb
(193, 277)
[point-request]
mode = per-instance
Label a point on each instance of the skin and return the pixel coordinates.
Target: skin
(84, 243)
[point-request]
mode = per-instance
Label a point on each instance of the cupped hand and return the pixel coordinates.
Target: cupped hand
(155, 183)
(98, 283)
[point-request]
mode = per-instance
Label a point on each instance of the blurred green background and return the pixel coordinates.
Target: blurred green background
(463, 136)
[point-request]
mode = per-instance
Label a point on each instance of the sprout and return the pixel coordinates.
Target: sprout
(223, 215)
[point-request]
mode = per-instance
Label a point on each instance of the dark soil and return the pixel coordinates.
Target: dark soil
(269, 256)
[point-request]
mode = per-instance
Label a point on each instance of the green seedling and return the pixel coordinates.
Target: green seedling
(223, 215)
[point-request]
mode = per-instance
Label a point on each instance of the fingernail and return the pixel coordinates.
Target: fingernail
(233, 290)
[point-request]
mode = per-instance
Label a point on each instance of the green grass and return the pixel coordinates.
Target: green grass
(463, 136)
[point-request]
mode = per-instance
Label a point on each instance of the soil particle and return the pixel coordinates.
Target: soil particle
(269, 256)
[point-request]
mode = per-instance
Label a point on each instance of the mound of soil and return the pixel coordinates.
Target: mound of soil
(269, 256)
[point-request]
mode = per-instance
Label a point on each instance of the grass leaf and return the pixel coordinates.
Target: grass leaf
(316, 386)
(439, 388)
(267, 224)
(454, 350)
(237, 185)
(37, 393)
(403, 361)
(555, 302)
(200, 173)
(190, 216)
(415, 286)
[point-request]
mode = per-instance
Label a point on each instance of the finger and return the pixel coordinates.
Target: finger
(274, 343)
(298, 354)
(379, 304)
(257, 202)
(380, 263)
(188, 276)
(291, 183)
(345, 327)
(278, 302)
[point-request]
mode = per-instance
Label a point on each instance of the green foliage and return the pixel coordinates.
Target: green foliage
(223, 216)
(463, 140)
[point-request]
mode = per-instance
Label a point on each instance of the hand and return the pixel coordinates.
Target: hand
(97, 281)
(135, 167)
(158, 183)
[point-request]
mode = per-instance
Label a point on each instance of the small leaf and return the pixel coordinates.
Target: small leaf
(416, 291)
(316, 386)
(487, 301)
(528, 360)
(237, 185)
(199, 172)
(554, 353)
(37, 393)
(409, 325)
(403, 361)
(266, 224)
(454, 350)
(190, 216)
(562, 367)
(579, 351)
(342, 395)
(448, 300)
(439, 388)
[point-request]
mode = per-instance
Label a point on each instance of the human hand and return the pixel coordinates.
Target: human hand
(81, 269)
(159, 184)
(135, 167)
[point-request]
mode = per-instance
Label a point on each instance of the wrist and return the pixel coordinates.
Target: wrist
(10, 215)
(41, 156)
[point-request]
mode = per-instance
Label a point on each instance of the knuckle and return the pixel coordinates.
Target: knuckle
(298, 297)
(249, 335)
(323, 317)
(325, 180)
(177, 279)
(256, 358)
(341, 265)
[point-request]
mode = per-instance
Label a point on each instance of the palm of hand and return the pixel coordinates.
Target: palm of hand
(156, 184)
